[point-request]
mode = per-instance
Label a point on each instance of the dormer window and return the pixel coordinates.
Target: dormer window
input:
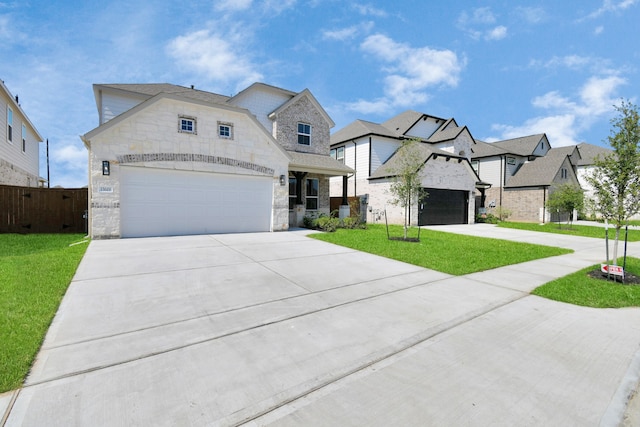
(304, 134)
(187, 125)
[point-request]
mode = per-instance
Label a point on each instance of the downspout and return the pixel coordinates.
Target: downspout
(544, 204)
(503, 174)
(355, 164)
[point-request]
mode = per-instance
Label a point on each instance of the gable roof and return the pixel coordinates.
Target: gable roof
(16, 105)
(487, 149)
(589, 153)
(404, 121)
(541, 171)
(523, 146)
(305, 93)
(389, 168)
(447, 132)
(361, 128)
(152, 89)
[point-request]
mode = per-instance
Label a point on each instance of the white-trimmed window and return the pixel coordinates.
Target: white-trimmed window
(311, 194)
(338, 154)
(304, 134)
(187, 124)
(225, 130)
(24, 138)
(9, 124)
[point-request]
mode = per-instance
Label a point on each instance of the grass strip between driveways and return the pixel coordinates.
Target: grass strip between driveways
(572, 230)
(580, 289)
(35, 271)
(446, 252)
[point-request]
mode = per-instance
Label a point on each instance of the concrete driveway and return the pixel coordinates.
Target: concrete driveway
(280, 329)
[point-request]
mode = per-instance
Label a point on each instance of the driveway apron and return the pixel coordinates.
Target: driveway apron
(281, 329)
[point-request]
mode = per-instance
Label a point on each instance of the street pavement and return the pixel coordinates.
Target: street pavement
(280, 329)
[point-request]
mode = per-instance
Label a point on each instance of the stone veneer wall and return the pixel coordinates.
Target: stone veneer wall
(303, 111)
(153, 133)
(524, 203)
(13, 175)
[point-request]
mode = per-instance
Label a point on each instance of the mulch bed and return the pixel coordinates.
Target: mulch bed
(629, 279)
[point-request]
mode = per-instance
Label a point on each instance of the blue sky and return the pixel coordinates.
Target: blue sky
(504, 69)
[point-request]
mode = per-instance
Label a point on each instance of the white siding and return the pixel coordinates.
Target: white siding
(114, 105)
(489, 171)
(261, 102)
(26, 162)
(424, 128)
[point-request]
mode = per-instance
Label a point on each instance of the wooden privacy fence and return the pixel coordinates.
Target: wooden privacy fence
(354, 203)
(43, 210)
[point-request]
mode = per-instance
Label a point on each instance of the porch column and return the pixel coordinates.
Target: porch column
(299, 208)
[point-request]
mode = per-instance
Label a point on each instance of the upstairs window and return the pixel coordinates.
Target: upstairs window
(24, 138)
(304, 134)
(9, 124)
(225, 130)
(338, 154)
(564, 173)
(187, 125)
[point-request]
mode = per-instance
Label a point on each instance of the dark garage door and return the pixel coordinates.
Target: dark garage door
(443, 207)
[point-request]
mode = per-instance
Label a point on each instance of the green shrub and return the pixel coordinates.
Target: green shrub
(327, 223)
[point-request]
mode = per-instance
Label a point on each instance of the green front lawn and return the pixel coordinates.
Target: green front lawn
(580, 289)
(573, 230)
(446, 252)
(35, 271)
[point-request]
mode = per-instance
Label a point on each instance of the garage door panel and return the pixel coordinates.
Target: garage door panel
(156, 202)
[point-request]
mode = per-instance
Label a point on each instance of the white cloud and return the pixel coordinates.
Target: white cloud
(567, 117)
(474, 23)
(277, 6)
(497, 33)
(532, 15)
(218, 57)
(233, 5)
(348, 32)
(598, 30)
(610, 6)
(410, 72)
(367, 9)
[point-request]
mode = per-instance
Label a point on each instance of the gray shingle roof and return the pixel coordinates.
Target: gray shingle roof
(523, 146)
(542, 170)
(446, 133)
(486, 149)
(317, 163)
(360, 128)
(390, 167)
(590, 152)
(153, 89)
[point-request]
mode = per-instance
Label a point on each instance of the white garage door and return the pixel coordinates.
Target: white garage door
(159, 202)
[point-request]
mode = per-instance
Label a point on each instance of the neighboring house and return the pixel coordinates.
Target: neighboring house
(172, 160)
(447, 174)
(523, 172)
(588, 155)
(19, 147)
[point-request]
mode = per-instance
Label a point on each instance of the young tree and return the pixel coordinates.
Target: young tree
(616, 177)
(406, 187)
(565, 199)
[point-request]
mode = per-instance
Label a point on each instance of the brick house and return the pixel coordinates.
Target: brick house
(523, 172)
(447, 176)
(19, 147)
(172, 160)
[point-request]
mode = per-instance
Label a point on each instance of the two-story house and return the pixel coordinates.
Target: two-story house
(523, 172)
(19, 147)
(173, 160)
(446, 175)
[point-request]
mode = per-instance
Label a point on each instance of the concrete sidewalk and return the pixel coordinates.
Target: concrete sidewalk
(280, 329)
